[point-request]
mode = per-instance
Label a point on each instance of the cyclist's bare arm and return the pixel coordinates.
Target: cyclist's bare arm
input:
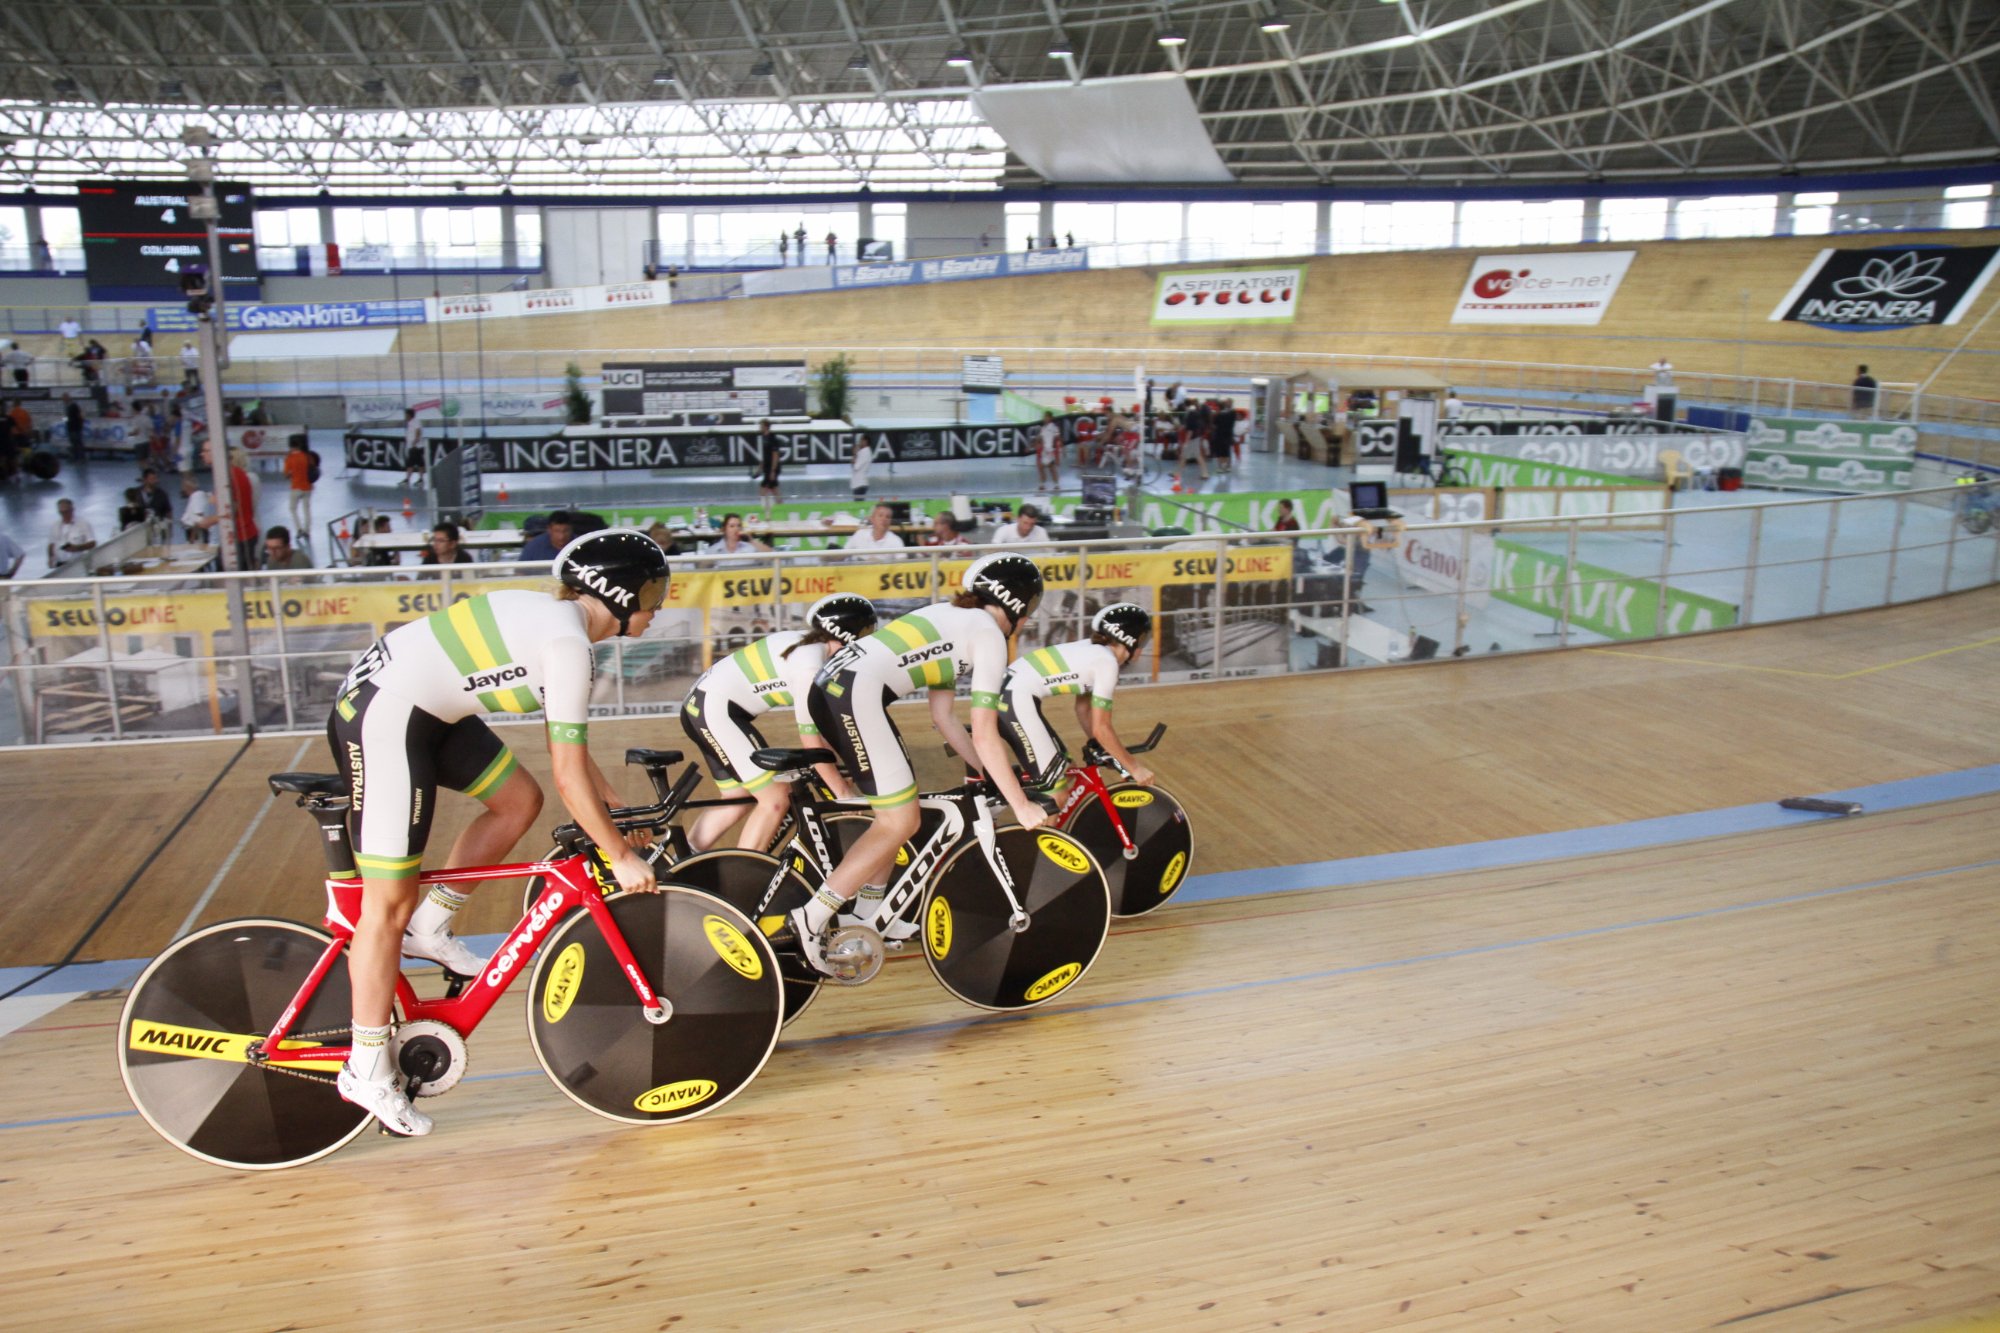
(581, 787)
(998, 762)
(1097, 725)
(946, 722)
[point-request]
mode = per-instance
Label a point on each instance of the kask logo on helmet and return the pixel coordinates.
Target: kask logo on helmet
(998, 591)
(593, 578)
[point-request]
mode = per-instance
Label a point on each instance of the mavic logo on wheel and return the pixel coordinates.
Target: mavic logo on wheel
(937, 928)
(674, 1096)
(1063, 852)
(731, 947)
(1054, 981)
(188, 1041)
(509, 958)
(565, 979)
(1131, 800)
(1172, 875)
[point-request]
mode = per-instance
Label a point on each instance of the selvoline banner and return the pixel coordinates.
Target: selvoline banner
(1889, 287)
(1228, 296)
(1562, 287)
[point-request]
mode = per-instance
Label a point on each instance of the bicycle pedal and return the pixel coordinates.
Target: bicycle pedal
(454, 986)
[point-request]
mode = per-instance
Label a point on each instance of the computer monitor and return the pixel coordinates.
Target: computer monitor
(899, 512)
(1365, 495)
(1100, 490)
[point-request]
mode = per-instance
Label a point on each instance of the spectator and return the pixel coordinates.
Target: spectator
(445, 547)
(232, 414)
(986, 239)
(279, 553)
(1050, 243)
(91, 362)
(1287, 520)
(864, 457)
(131, 511)
(153, 496)
(299, 498)
(784, 249)
(799, 243)
(24, 425)
(242, 511)
(832, 243)
(732, 541)
(198, 514)
(1048, 454)
(381, 555)
(769, 465)
(545, 544)
(72, 336)
(1663, 372)
(414, 456)
(1030, 244)
(1025, 530)
(11, 556)
(876, 536)
(21, 362)
(71, 536)
(10, 447)
(190, 366)
(1865, 391)
(1453, 407)
(946, 532)
(662, 535)
(73, 427)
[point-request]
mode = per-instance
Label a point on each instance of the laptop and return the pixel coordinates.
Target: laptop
(1370, 500)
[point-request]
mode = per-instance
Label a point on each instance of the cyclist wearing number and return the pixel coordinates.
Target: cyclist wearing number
(1088, 669)
(934, 649)
(774, 672)
(408, 719)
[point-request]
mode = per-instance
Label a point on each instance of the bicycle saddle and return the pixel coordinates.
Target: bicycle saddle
(652, 758)
(780, 760)
(309, 784)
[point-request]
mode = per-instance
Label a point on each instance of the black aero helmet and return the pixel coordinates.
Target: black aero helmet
(1126, 622)
(1006, 580)
(624, 569)
(846, 616)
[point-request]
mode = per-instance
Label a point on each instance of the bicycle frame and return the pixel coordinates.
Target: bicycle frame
(568, 885)
(1085, 783)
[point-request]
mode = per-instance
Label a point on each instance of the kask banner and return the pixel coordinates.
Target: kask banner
(1562, 287)
(1228, 296)
(1889, 287)
(1561, 426)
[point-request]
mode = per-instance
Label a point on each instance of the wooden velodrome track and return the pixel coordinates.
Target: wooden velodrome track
(1744, 1079)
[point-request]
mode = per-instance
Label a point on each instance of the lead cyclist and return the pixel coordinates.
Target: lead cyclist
(409, 719)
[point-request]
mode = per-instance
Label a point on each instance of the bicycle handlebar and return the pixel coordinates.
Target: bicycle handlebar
(628, 818)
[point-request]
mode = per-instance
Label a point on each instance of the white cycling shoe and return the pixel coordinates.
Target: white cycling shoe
(894, 933)
(446, 950)
(385, 1101)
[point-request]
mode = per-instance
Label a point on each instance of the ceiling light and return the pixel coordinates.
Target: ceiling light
(859, 60)
(763, 69)
(568, 79)
(1275, 21)
(1060, 49)
(664, 74)
(469, 84)
(275, 88)
(374, 87)
(1171, 37)
(171, 89)
(65, 87)
(959, 59)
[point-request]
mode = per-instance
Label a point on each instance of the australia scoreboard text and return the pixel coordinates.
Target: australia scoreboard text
(142, 233)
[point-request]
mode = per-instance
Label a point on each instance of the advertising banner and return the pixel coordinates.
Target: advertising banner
(1600, 600)
(1801, 469)
(546, 301)
(1563, 287)
(1445, 561)
(749, 388)
(242, 317)
(1492, 470)
(1562, 426)
(1630, 455)
(982, 374)
(386, 409)
(1883, 438)
(1889, 287)
(1228, 296)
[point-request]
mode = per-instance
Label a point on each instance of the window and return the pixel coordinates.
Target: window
(1024, 224)
(892, 222)
(62, 228)
(1726, 215)
(286, 226)
(1405, 225)
(460, 237)
(1632, 219)
(527, 238)
(1812, 214)
(1091, 224)
(14, 239)
(1509, 222)
(1967, 205)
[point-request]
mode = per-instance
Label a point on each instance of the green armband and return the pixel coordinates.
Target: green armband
(807, 729)
(981, 699)
(569, 733)
(1099, 702)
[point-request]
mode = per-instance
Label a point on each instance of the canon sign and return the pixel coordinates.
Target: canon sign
(1567, 287)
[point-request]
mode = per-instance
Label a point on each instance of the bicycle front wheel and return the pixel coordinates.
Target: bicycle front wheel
(968, 929)
(185, 1034)
(1160, 833)
(711, 967)
(763, 889)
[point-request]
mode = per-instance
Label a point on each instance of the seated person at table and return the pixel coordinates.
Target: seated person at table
(279, 553)
(444, 548)
(732, 541)
(545, 544)
(876, 536)
(945, 531)
(382, 555)
(1024, 530)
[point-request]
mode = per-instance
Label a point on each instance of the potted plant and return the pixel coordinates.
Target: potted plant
(576, 400)
(834, 382)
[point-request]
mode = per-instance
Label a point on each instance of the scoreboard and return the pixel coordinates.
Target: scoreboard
(139, 235)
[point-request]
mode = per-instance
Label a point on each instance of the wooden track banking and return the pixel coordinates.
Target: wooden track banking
(1747, 1079)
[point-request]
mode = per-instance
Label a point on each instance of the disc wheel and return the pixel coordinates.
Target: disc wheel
(968, 936)
(713, 969)
(743, 880)
(184, 1036)
(1160, 832)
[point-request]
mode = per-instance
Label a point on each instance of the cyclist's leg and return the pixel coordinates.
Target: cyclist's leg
(701, 717)
(855, 722)
(475, 761)
(1025, 730)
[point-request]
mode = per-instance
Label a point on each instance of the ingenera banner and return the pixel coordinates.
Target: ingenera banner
(1889, 287)
(1562, 287)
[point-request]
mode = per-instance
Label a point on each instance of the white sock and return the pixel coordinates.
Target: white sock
(821, 908)
(869, 901)
(370, 1057)
(434, 913)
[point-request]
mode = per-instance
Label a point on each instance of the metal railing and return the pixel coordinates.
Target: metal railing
(125, 658)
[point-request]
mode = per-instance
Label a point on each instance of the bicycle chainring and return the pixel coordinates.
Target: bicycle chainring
(431, 1055)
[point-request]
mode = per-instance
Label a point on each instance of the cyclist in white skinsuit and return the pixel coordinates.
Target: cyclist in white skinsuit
(775, 672)
(408, 719)
(1088, 669)
(932, 649)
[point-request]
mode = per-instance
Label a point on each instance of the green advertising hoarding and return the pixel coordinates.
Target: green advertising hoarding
(1494, 470)
(1603, 601)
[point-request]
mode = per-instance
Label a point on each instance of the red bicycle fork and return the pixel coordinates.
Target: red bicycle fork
(568, 885)
(1087, 785)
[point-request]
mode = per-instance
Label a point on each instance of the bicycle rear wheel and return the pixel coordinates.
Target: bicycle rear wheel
(713, 969)
(743, 880)
(969, 939)
(1159, 829)
(184, 1035)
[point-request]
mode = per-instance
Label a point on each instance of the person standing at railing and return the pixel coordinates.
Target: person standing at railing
(73, 427)
(1865, 390)
(784, 249)
(799, 243)
(198, 514)
(832, 248)
(72, 336)
(770, 462)
(415, 459)
(21, 362)
(190, 366)
(299, 496)
(71, 536)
